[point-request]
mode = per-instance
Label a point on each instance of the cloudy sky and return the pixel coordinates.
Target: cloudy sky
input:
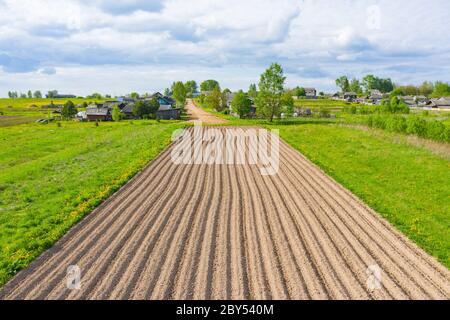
(143, 45)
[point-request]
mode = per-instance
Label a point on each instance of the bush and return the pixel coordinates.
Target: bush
(396, 124)
(351, 110)
(435, 130)
(446, 134)
(324, 112)
(416, 125)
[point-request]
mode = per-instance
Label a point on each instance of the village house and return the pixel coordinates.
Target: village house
(350, 96)
(97, 112)
(168, 114)
(442, 103)
(310, 93)
(409, 100)
(375, 97)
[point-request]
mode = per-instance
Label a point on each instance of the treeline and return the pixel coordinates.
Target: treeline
(370, 82)
(366, 84)
(29, 95)
(435, 90)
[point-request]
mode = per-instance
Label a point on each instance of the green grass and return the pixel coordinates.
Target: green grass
(50, 177)
(17, 111)
(407, 185)
(316, 104)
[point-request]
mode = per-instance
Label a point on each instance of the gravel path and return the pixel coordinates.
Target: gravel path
(227, 232)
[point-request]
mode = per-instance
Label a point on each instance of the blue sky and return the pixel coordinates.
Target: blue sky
(134, 45)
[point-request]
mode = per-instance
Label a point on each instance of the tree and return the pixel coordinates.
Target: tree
(23, 96)
(29, 94)
(179, 93)
(370, 82)
(134, 95)
(271, 86)
(252, 92)
(167, 92)
(241, 104)
(287, 103)
(152, 105)
(441, 89)
(426, 88)
(69, 110)
(209, 85)
(145, 108)
(116, 115)
(52, 94)
(355, 86)
(343, 83)
(37, 94)
(300, 92)
(191, 88)
(214, 99)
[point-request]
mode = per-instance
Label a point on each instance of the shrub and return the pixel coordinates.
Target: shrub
(396, 124)
(446, 134)
(435, 130)
(324, 112)
(416, 125)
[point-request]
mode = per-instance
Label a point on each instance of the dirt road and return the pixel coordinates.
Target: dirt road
(227, 232)
(197, 114)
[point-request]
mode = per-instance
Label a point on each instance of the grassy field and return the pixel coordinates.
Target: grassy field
(407, 185)
(18, 111)
(50, 177)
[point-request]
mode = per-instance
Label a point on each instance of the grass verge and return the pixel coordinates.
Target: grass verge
(51, 177)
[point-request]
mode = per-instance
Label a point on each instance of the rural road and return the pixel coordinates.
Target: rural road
(227, 232)
(197, 114)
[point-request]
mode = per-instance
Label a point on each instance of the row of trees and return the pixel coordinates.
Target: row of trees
(434, 90)
(29, 95)
(369, 82)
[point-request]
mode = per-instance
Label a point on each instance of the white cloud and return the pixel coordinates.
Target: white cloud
(314, 40)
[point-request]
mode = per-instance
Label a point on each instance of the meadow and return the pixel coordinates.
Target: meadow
(19, 111)
(408, 185)
(51, 176)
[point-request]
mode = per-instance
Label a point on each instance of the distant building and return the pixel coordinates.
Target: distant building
(98, 113)
(62, 96)
(442, 103)
(375, 97)
(350, 96)
(168, 114)
(310, 93)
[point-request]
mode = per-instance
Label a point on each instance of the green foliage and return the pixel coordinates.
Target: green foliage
(343, 83)
(116, 114)
(241, 104)
(51, 177)
(252, 91)
(300, 92)
(37, 94)
(355, 86)
(179, 93)
(271, 88)
(407, 185)
(287, 103)
(134, 95)
(417, 126)
(145, 109)
(209, 85)
(436, 131)
(69, 110)
(214, 100)
(370, 82)
(52, 94)
(441, 89)
(191, 88)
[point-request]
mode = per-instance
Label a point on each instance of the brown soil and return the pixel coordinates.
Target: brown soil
(226, 232)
